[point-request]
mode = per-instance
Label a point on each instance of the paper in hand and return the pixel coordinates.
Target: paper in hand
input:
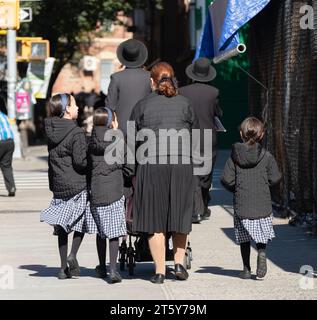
(218, 125)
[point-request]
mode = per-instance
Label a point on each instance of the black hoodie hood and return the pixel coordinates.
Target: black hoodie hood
(247, 156)
(98, 143)
(57, 129)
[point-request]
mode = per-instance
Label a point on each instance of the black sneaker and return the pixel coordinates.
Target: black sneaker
(115, 276)
(101, 271)
(73, 266)
(196, 219)
(206, 214)
(64, 274)
(245, 274)
(12, 192)
(261, 264)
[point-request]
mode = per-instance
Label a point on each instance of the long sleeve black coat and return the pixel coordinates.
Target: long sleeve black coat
(205, 102)
(126, 88)
(249, 173)
(67, 159)
(106, 179)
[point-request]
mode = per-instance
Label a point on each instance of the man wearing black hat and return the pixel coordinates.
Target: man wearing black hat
(204, 100)
(132, 84)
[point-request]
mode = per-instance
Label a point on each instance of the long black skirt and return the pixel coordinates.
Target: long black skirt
(163, 199)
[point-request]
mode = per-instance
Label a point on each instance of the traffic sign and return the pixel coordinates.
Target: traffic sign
(32, 48)
(25, 14)
(9, 17)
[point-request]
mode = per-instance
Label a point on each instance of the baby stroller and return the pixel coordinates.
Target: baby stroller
(139, 251)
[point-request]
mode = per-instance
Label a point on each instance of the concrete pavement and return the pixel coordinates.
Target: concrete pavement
(28, 248)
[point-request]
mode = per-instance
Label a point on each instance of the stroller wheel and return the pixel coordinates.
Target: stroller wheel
(122, 265)
(130, 258)
(188, 258)
(131, 269)
(123, 255)
(131, 265)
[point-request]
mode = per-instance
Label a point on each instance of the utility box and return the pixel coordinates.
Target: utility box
(90, 63)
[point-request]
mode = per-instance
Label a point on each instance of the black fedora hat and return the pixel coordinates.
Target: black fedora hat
(132, 53)
(201, 70)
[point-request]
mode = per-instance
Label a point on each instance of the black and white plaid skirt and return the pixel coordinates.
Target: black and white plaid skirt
(110, 220)
(258, 230)
(72, 215)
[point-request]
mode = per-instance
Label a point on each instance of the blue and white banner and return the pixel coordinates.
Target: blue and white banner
(224, 19)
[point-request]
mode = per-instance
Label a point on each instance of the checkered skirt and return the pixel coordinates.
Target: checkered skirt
(110, 220)
(72, 215)
(259, 230)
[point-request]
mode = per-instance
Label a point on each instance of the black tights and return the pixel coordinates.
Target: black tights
(245, 249)
(113, 250)
(63, 245)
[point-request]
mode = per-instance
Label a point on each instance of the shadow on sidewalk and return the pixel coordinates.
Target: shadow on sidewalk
(45, 271)
(143, 271)
(220, 198)
(219, 271)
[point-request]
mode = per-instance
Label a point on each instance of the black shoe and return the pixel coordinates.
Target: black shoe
(206, 214)
(12, 192)
(180, 272)
(261, 264)
(245, 274)
(64, 274)
(115, 276)
(56, 230)
(101, 271)
(196, 219)
(73, 266)
(158, 278)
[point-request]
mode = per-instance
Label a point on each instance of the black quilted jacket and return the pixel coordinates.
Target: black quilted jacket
(67, 149)
(107, 176)
(249, 173)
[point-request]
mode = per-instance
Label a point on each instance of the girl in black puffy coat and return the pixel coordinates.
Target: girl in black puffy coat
(70, 208)
(249, 173)
(107, 166)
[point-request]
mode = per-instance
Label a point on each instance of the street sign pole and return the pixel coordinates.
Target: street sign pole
(11, 80)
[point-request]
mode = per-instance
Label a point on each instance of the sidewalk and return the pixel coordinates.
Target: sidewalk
(29, 247)
(35, 159)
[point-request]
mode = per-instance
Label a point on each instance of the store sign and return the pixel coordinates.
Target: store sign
(23, 105)
(39, 74)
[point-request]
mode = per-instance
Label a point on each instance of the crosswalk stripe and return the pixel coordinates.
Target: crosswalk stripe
(27, 180)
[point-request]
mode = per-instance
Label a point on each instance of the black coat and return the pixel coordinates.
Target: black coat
(204, 100)
(157, 112)
(67, 159)
(249, 173)
(126, 88)
(106, 179)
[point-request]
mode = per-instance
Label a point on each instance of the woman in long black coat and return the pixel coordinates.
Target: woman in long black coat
(164, 192)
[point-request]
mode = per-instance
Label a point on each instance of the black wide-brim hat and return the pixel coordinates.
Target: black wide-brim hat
(201, 70)
(132, 53)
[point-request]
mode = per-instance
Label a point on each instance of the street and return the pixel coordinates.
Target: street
(28, 246)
